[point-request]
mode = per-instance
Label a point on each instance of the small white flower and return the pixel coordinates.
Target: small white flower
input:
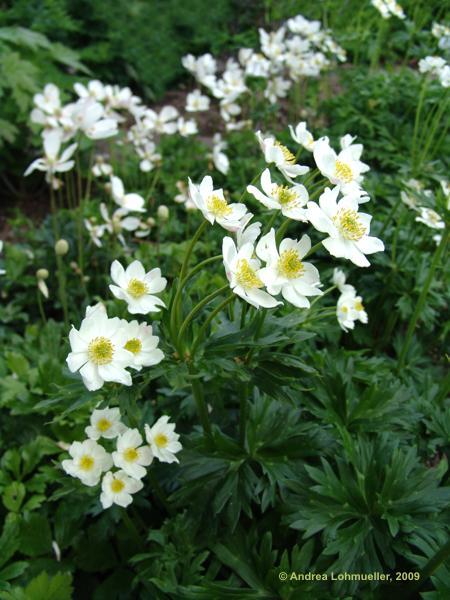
(133, 202)
(248, 233)
(430, 218)
(53, 163)
(348, 230)
(88, 462)
(197, 102)
(95, 231)
(142, 344)
(164, 122)
(339, 280)
(98, 351)
(183, 197)
(105, 423)
(117, 488)
(302, 136)
(186, 127)
(290, 200)
(350, 309)
(163, 440)
(137, 287)
(131, 456)
(285, 271)
(219, 158)
(342, 169)
(213, 205)
(285, 161)
(242, 270)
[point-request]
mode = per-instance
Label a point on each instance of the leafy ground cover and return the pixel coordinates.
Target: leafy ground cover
(223, 361)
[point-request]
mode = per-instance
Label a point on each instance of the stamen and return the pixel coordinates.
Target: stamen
(287, 154)
(161, 440)
(103, 425)
(343, 172)
(218, 206)
(349, 224)
(117, 485)
(131, 454)
(246, 276)
(137, 288)
(289, 264)
(134, 345)
(100, 351)
(86, 462)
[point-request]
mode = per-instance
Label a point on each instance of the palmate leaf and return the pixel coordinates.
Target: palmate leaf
(20, 36)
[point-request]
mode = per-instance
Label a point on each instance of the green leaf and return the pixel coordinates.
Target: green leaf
(13, 496)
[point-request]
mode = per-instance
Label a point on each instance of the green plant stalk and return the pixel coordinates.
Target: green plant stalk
(243, 412)
(202, 408)
(204, 327)
(271, 222)
(313, 249)
(159, 493)
(62, 289)
(282, 230)
(131, 528)
(197, 308)
(422, 298)
(253, 181)
(390, 216)
(41, 306)
(417, 119)
(432, 130)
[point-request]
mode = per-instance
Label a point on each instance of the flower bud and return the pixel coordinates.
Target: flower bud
(151, 222)
(62, 247)
(42, 274)
(163, 212)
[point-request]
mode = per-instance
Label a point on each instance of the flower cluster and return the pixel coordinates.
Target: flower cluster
(436, 66)
(442, 33)
(90, 462)
(103, 348)
(388, 8)
(349, 308)
(299, 48)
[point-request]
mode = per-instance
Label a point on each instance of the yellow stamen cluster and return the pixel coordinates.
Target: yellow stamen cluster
(246, 276)
(349, 224)
(100, 351)
(131, 454)
(161, 440)
(218, 206)
(287, 154)
(86, 462)
(343, 172)
(137, 288)
(134, 345)
(359, 305)
(117, 485)
(289, 264)
(286, 196)
(103, 425)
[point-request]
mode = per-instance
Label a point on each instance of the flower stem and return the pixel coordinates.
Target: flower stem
(41, 306)
(205, 325)
(417, 119)
(422, 298)
(159, 493)
(313, 249)
(202, 408)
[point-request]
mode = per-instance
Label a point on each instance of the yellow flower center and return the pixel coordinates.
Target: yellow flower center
(103, 425)
(246, 276)
(161, 440)
(100, 351)
(349, 224)
(218, 206)
(287, 154)
(131, 454)
(86, 462)
(134, 345)
(117, 485)
(286, 196)
(343, 172)
(289, 264)
(359, 305)
(344, 309)
(137, 288)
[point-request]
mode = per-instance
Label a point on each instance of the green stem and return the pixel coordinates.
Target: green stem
(202, 407)
(159, 492)
(131, 528)
(41, 306)
(205, 325)
(313, 249)
(282, 230)
(271, 222)
(422, 298)
(253, 181)
(417, 119)
(243, 412)
(197, 308)
(432, 130)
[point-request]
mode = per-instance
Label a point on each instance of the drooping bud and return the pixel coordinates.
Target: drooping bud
(42, 274)
(163, 212)
(62, 247)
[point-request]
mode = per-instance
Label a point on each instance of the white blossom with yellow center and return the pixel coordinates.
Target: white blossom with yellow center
(118, 488)
(105, 423)
(163, 440)
(214, 206)
(430, 218)
(291, 201)
(276, 152)
(242, 271)
(131, 456)
(350, 309)
(347, 229)
(286, 272)
(137, 287)
(98, 351)
(302, 136)
(344, 169)
(142, 344)
(88, 461)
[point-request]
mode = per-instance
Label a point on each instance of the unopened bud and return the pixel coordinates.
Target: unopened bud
(62, 247)
(151, 222)
(163, 212)
(42, 274)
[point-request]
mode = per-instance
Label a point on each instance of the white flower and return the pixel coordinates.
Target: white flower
(274, 152)
(272, 44)
(53, 163)
(431, 64)
(219, 158)
(163, 440)
(213, 205)
(290, 200)
(142, 344)
(242, 272)
(105, 423)
(98, 351)
(101, 168)
(133, 202)
(164, 122)
(117, 488)
(409, 200)
(302, 136)
(130, 456)
(183, 197)
(342, 169)
(94, 89)
(430, 218)
(118, 222)
(197, 102)
(137, 287)
(347, 229)
(339, 280)
(88, 115)
(149, 156)
(285, 271)
(277, 87)
(95, 231)
(88, 462)
(247, 233)
(350, 309)
(186, 127)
